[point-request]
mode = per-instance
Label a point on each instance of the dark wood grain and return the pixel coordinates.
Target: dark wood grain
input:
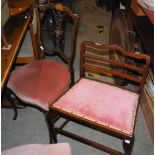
(19, 6)
(145, 31)
(15, 30)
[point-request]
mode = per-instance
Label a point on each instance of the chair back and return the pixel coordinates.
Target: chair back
(95, 59)
(57, 17)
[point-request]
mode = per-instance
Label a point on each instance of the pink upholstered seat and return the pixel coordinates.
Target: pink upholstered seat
(111, 106)
(40, 82)
(39, 149)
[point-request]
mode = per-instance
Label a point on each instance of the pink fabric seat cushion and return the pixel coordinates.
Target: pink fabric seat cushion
(40, 82)
(110, 106)
(39, 149)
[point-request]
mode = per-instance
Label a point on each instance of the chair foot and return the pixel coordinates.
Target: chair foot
(9, 98)
(128, 146)
(50, 119)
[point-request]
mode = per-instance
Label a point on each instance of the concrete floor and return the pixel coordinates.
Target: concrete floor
(30, 126)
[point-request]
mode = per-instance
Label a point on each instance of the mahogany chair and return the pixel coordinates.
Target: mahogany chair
(39, 149)
(43, 81)
(101, 105)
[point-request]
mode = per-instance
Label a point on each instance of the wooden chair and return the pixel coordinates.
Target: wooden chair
(43, 81)
(101, 105)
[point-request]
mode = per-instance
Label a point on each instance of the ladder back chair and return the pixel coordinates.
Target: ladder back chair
(102, 105)
(43, 81)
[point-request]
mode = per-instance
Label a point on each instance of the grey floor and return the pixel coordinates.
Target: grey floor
(30, 126)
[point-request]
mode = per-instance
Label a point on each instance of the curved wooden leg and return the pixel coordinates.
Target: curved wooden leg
(50, 119)
(8, 95)
(128, 146)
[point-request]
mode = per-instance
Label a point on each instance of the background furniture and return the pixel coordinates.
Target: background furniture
(19, 6)
(14, 27)
(15, 31)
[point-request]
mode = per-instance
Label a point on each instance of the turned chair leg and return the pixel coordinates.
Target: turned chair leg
(9, 98)
(50, 119)
(128, 146)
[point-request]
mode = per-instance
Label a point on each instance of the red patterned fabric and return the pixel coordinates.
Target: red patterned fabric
(108, 105)
(40, 82)
(39, 149)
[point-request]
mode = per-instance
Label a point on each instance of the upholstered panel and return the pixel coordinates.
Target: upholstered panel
(39, 149)
(40, 82)
(108, 105)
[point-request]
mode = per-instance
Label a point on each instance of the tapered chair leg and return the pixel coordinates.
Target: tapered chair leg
(50, 119)
(9, 98)
(128, 146)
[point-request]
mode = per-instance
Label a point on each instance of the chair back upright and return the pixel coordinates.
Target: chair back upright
(134, 70)
(39, 13)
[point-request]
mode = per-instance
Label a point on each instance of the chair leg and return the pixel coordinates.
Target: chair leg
(128, 146)
(50, 119)
(9, 98)
(72, 77)
(97, 2)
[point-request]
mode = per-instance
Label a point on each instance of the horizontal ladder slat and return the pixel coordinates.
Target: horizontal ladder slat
(116, 73)
(113, 62)
(24, 60)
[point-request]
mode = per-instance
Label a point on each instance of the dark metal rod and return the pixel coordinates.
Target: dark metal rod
(64, 124)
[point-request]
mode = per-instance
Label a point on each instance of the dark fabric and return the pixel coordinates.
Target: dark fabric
(109, 4)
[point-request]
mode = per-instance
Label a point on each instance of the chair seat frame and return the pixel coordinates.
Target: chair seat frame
(85, 122)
